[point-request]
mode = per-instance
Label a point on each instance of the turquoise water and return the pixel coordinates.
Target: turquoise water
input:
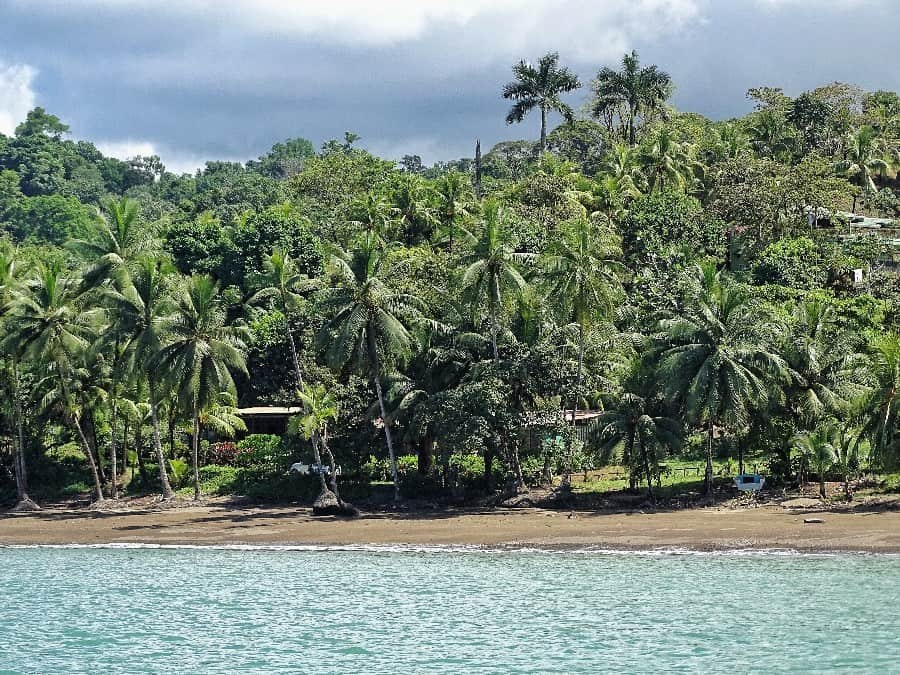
(193, 610)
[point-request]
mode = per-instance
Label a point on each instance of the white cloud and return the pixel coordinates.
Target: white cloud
(176, 162)
(16, 95)
(582, 28)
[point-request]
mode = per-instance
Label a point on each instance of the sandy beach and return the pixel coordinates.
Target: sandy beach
(765, 527)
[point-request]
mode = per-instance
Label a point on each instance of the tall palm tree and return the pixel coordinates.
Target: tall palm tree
(47, 325)
(493, 267)
(412, 209)
(199, 354)
(817, 359)
(581, 271)
(140, 314)
(454, 197)
(631, 93)
(716, 360)
(863, 161)
(639, 434)
(371, 213)
(880, 407)
(9, 279)
(369, 320)
(667, 162)
(121, 238)
(540, 87)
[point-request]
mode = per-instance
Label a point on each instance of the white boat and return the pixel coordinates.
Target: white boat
(749, 482)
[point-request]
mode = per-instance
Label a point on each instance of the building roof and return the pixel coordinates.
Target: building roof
(268, 411)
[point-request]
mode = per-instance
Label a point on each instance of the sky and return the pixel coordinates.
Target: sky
(198, 80)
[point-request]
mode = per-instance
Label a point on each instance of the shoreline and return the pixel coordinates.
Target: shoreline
(763, 529)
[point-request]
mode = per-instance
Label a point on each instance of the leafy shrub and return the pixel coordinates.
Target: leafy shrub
(223, 453)
(218, 480)
(260, 450)
(178, 472)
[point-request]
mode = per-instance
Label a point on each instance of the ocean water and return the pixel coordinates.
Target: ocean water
(100, 610)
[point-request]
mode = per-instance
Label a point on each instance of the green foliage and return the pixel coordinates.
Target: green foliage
(795, 263)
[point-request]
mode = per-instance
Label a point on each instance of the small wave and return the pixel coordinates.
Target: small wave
(529, 549)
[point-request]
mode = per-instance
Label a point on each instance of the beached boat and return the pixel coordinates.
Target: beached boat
(749, 482)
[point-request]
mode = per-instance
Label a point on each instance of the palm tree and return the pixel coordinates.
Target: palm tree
(493, 267)
(622, 173)
(630, 93)
(862, 161)
(9, 279)
(411, 208)
(110, 253)
(319, 406)
(881, 417)
(540, 87)
(667, 162)
(581, 272)
(47, 325)
(140, 315)
(371, 213)
(199, 354)
(454, 203)
(770, 134)
(819, 450)
(716, 360)
(369, 320)
(639, 434)
(818, 363)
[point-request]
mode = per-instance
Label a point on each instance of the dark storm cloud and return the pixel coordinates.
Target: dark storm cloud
(195, 85)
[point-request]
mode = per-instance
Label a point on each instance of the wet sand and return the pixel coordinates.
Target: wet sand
(765, 527)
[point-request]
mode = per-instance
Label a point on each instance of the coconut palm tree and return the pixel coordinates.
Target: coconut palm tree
(110, 252)
(623, 166)
(371, 213)
(319, 406)
(581, 271)
(9, 279)
(819, 364)
(369, 325)
(631, 94)
(47, 325)
(863, 161)
(639, 434)
(818, 449)
(493, 267)
(880, 406)
(199, 353)
(454, 198)
(139, 315)
(668, 163)
(540, 87)
(715, 358)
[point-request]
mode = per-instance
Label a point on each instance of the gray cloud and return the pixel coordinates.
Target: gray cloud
(226, 80)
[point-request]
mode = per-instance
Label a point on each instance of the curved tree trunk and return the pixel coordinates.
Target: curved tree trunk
(646, 461)
(98, 486)
(157, 446)
(387, 434)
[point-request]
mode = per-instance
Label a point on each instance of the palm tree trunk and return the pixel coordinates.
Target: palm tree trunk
(494, 334)
(195, 452)
(822, 482)
(323, 439)
(294, 357)
(157, 446)
(318, 459)
(580, 377)
(646, 461)
(387, 433)
(98, 486)
(114, 467)
(19, 458)
(708, 478)
(543, 128)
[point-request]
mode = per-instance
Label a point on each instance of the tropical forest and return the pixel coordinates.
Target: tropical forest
(634, 302)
